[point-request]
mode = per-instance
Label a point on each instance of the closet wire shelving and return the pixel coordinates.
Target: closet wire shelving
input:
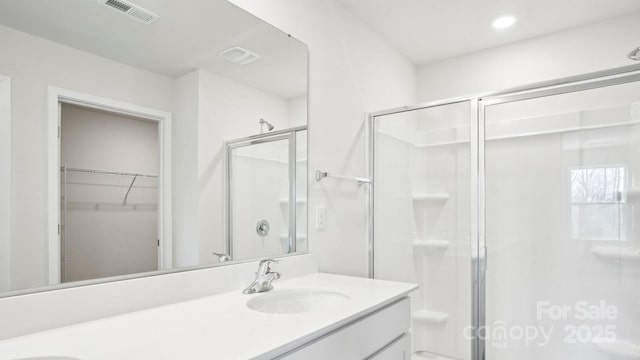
(117, 187)
(105, 178)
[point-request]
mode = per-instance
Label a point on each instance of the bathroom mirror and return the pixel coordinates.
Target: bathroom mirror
(145, 137)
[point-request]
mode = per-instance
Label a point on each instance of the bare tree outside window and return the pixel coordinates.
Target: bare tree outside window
(597, 194)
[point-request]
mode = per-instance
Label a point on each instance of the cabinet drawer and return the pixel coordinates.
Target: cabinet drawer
(360, 339)
(398, 350)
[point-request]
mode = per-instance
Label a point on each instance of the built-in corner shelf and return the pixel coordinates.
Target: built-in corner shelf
(430, 247)
(285, 201)
(620, 348)
(427, 355)
(633, 194)
(430, 317)
(427, 198)
(299, 237)
(616, 252)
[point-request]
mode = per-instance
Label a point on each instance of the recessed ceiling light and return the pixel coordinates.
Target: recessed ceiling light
(503, 22)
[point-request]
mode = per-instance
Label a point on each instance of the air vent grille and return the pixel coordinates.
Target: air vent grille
(133, 11)
(239, 55)
(118, 5)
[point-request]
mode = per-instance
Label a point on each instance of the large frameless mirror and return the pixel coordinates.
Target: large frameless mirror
(124, 129)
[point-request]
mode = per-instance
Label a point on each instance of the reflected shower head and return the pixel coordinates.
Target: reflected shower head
(635, 54)
(265, 122)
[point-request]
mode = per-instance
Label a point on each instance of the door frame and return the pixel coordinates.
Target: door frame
(59, 96)
(5, 183)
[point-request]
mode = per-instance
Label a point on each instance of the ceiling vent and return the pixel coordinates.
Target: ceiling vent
(239, 55)
(131, 10)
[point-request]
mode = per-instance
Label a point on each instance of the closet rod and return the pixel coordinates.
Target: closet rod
(104, 172)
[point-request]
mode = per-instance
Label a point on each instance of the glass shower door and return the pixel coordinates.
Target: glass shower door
(562, 218)
(260, 205)
(422, 224)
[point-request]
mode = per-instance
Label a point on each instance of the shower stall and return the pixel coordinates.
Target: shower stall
(518, 214)
(266, 187)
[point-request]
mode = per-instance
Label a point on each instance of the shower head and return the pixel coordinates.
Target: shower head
(635, 54)
(265, 122)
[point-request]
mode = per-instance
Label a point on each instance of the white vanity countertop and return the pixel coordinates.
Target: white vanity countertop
(214, 327)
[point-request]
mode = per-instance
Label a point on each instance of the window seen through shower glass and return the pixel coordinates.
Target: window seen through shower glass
(596, 200)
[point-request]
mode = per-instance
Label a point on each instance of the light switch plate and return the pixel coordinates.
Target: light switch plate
(321, 217)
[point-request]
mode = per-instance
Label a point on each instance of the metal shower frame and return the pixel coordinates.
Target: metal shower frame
(286, 134)
(478, 104)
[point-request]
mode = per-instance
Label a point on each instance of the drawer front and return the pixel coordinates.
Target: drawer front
(360, 339)
(398, 350)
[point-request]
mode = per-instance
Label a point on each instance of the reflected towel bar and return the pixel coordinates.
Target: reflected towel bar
(360, 180)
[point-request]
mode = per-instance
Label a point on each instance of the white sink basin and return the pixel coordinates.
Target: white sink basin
(297, 301)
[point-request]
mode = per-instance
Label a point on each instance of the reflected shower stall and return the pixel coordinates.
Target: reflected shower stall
(518, 214)
(266, 186)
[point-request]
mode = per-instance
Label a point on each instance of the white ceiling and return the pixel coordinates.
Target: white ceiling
(430, 30)
(188, 35)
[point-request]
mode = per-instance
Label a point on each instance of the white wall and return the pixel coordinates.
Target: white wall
(185, 170)
(352, 72)
(576, 51)
(43, 63)
(298, 111)
(5, 183)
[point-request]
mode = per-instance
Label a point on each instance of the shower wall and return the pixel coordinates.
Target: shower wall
(255, 198)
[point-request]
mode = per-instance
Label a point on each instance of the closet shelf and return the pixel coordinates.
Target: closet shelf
(633, 194)
(430, 246)
(431, 198)
(285, 201)
(430, 317)
(616, 252)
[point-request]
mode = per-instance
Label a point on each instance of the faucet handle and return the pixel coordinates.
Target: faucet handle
(222, 257)
(265, 266)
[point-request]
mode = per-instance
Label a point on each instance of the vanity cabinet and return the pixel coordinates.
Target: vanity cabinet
(381, 335)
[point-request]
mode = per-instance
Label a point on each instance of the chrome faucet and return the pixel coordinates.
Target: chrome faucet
(222, 257)
(264, 277)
